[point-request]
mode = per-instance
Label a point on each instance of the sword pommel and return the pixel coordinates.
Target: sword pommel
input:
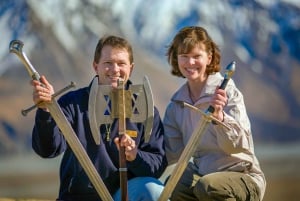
(229, 71)
(16, 46)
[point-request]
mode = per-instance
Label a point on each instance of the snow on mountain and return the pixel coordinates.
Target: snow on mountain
(154, 23)
(262, 35)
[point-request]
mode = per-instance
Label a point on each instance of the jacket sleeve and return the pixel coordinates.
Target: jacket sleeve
(151, 158)
(173, 137)
(47, 140)
(238, 138)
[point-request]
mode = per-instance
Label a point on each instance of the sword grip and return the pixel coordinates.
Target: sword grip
(16, 46)
(228, 74)
(211, 109)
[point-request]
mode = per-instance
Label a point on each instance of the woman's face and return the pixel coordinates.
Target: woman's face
(193, 64)
(113, 64)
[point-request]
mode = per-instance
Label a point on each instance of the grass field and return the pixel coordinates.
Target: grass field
(30, 178)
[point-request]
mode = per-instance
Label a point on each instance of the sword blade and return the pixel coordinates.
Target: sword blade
(184, 158)
(78, 149)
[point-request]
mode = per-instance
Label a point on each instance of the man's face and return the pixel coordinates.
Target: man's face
(113, 64)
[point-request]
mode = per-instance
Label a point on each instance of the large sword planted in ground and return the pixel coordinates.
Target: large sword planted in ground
(195, 138)
(67, 131)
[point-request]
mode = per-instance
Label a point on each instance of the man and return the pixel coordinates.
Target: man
(146, 161)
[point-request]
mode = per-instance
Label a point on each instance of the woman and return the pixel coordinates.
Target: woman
(224, 166)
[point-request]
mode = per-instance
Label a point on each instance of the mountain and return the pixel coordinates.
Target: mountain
(59, 37)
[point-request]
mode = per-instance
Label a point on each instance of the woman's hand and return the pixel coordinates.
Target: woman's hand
(219, 101)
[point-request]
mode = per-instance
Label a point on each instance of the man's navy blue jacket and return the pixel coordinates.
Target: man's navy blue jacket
(48, 142)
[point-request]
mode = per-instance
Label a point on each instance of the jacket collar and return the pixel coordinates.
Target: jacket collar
(182, 94)
(128, 83)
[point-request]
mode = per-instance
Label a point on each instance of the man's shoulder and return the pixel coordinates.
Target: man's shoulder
(77, 94)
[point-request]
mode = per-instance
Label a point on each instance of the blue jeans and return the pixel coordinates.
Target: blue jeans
(142, 189)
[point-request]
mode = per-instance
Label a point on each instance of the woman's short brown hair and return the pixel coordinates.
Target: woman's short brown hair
(185, 40)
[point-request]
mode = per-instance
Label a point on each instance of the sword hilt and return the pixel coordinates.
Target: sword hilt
(230, 69)
(16, 47)
(29, 109)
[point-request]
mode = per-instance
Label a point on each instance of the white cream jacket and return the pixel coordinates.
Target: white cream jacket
(219, 149)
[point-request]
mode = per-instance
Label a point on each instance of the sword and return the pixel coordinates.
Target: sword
(194, 139)
(16, 46)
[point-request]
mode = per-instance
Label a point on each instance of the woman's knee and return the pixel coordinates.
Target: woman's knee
(201, 189)
(207, 187)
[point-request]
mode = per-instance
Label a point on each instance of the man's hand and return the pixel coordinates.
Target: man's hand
(42, 92)
(129, 144)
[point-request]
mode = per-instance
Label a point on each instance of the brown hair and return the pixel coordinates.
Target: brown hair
(185, 40)
(114, 41)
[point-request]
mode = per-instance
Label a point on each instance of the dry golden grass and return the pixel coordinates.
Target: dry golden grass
(20, 199)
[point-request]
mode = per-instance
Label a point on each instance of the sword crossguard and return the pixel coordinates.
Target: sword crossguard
(208, 116)
(24, 112)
